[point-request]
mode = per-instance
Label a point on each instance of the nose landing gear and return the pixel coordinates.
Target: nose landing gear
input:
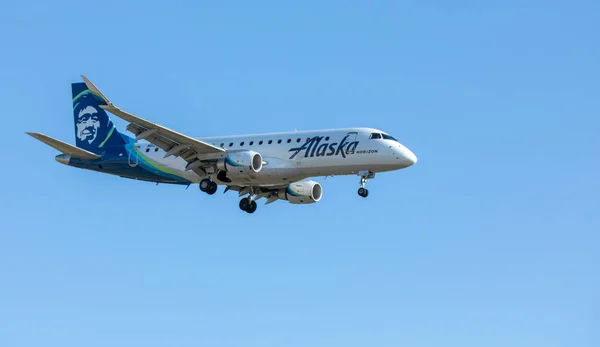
(364, 175)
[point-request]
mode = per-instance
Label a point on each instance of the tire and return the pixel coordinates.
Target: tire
(252, 207)
(244, 204)
(212, 188)
(205, 184)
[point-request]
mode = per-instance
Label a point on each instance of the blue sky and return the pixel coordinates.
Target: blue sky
(490, 240)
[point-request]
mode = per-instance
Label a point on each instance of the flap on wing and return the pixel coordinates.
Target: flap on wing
(70, 150)
(268, 192)
(154, 133)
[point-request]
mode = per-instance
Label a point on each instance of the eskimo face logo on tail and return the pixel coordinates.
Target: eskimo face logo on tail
(314, 148)
(88, 124)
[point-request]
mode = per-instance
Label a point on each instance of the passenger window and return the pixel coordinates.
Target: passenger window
(327, 138)
(241, 143)
(251, 143)
(278, 141)
(270, 141)
(259, 143)
(156, 149)
(147, 149)
(289, 140)
(298, 140)
(230, 144)
(222, 145)
(375, 136)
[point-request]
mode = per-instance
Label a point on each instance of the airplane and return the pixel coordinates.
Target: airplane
(273, 166)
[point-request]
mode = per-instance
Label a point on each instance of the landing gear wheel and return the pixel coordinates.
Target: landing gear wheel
(212, 188)
(252, 207)
(244, 204)
(205, 184)
(364, 175)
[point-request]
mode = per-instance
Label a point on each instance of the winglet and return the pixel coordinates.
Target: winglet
(95, 90)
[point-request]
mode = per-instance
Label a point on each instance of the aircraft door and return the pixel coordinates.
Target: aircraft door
(352, 136)
(133, 157)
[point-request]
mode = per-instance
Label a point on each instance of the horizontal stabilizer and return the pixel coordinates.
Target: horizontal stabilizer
(70, 150)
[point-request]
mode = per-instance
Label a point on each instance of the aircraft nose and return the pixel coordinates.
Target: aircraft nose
(405, 156)
(410, 156)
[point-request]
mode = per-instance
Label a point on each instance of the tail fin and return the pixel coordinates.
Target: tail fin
(94, 131)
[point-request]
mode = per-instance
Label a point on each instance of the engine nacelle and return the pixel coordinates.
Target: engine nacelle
(243, 162)
(302, 192)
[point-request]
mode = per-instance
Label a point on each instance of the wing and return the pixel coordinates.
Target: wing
(268, 192)
(174, 143)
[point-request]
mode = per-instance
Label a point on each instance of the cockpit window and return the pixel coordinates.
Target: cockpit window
(388, 137)
(375, 136)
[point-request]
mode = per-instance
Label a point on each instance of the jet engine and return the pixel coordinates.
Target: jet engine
(243, 162)
(302, 192)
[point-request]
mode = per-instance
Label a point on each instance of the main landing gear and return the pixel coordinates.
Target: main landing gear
(362, 191)
(248, 205)
(208, 186)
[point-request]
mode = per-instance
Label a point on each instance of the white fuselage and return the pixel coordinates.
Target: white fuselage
(293, 156)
